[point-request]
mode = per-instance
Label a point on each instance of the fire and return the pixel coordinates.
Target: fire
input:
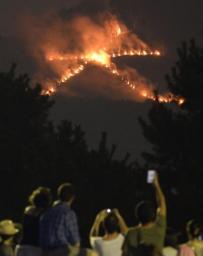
(49, 91)
(100, 57)
(103, 59)
(118, 31)
(100, 46)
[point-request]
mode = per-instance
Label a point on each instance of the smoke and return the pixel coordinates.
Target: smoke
(96, 82)
(66, 31)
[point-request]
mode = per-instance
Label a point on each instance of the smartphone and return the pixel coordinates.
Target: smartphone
(108, 210)
(151, 174)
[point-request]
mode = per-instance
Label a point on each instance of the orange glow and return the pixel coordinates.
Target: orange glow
(49, 91)
(101, 47)
(100, 57)
(118, 31)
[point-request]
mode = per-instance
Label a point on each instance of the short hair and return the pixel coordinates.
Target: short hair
(144, 250)
(193, 228)
(66, 192)
(145, 212)
(41, 197)
(172, 237)
(111, 223)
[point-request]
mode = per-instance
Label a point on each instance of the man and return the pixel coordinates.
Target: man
(59, 234)
(152, 227)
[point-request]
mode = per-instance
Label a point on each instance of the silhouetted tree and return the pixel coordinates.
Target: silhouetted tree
(23, 124)
(176, 133)
(35, 152)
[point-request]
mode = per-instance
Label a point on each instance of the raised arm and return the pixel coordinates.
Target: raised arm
(161, 201)
(121, 222)
(95, 227)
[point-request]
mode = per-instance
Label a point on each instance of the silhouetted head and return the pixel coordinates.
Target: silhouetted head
(144, 250)
(172, 237)
(66, 192)
(193, 229)
(145, 212)
(41, 197)
(110, 223)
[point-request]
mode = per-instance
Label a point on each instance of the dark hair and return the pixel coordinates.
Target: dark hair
(66, 192)
(144, 250)
(110, 223)
(172, 237)
(145, 212)
(41, 197)
(193, 228)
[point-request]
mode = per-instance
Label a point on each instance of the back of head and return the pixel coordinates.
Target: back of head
(172, 237)
(66, 192)
(144, 250)
(41, 197)
(110, 223)
(145, 212)
(193, 229)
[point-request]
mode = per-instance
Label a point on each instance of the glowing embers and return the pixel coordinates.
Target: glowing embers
(69, 73)
(147, 92)
(100, 45)
(103, 59)
(102, 56)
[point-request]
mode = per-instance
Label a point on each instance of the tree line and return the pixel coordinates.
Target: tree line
(35, 152)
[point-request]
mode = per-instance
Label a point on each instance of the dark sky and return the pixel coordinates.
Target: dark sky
(161, 23)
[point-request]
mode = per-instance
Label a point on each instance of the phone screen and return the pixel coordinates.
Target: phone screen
(150, 176)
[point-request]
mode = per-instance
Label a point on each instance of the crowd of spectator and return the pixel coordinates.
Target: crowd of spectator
(51, 229)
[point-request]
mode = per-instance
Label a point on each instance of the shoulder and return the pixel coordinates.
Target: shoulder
(132, 236)
(132, 231)
(32, 211)
(198, 244)
(66, 211)
(185, 249)
(95, 240)
(119, 239)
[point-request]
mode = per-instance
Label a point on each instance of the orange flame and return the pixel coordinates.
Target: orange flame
(116, 41)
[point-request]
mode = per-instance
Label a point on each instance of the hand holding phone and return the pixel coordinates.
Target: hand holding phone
(151, 175)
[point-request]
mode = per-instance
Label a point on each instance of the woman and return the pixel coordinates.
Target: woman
(193, 229)
(39, 200)
(114, 230)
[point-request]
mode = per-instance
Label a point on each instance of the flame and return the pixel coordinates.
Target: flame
(103, 59)
(118, 31)
(101, 47)
(49, 91)
(100, 57)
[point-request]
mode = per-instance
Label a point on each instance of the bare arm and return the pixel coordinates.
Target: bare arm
(161, 201)
(95, 227)
(121, 222)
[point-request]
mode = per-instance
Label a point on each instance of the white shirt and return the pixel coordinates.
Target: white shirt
(108, 247)
(169, 251)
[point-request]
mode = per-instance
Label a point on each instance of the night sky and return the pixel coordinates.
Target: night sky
(161, 23)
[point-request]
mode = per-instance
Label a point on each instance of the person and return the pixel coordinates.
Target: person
(193, 229)
(114, 227)
(152, 227)
(39, 201)
(7, 231)
(59, 232)
(171, 242)
(145, 250)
